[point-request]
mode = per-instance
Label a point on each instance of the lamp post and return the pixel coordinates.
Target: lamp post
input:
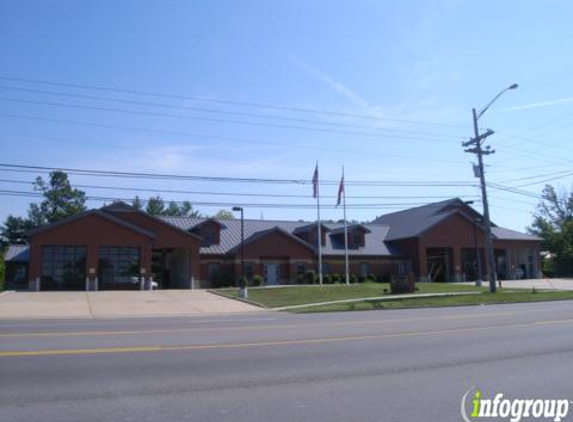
(490, 256)
(242, 289)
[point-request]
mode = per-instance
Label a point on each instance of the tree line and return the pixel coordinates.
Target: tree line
(61, 200)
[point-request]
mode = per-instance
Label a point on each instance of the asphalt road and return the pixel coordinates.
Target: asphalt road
(404, 365)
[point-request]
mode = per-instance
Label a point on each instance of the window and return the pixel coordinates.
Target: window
(249, 267)
(356, 238)
(300, 268)
(19, 274)
(208, 234)
(118, 268)
(213, 270)
(404, 267)
(364, 269)
(325, 267)
(63, 268)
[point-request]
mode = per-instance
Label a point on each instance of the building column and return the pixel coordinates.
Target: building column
(145, 270)
(422, 264)
(457, 265)
(194, 269)
(35, 268)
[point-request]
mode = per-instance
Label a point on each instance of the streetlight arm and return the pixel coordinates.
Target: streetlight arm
(488, 105)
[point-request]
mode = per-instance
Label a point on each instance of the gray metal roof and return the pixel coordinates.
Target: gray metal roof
(507, 234)
(17, 253)
(414, 221)
(231, 235)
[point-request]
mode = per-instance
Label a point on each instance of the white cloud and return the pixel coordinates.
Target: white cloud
(328, 80)
(541, 104)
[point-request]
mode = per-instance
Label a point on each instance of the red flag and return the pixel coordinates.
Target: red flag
(340, 191)
(315, 183)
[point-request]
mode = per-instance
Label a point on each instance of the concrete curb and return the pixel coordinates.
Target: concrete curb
(250, 302)
(378, 298)
(120, 317)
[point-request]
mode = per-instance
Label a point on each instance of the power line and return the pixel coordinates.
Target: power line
(212, 119)
(535, 141)
(5, 192)
(562, 173)
(514, 190)
(164, 176)
(226, 112)
(284, 144)
(237, 194)
(221, 101)
(545, 181)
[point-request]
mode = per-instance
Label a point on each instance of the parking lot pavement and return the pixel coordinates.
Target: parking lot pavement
(111, 304)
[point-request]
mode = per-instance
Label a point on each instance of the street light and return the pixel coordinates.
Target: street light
(490, 256)
(236, 209)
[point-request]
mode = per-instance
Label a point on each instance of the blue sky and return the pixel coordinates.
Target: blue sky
(402, 76)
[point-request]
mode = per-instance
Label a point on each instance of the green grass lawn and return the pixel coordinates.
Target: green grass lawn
(297, 295)
(502, 296)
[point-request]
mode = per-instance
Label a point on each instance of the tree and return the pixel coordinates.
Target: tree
(60, 200)
(553, 222)
(2, 270)
(155, 206)
(224, 215)
(14, 230)
(137, 203)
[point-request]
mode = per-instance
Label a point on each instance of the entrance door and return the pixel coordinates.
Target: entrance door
(272, 274)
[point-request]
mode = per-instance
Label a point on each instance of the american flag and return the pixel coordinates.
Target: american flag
(315, 183)
(340, 191)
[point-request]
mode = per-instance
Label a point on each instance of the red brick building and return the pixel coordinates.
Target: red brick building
(119, 247)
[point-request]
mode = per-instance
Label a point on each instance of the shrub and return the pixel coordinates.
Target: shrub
(373, 277)
(336, 278)
(326, 279)
(243, 282)
(353, 278)
(257, 280)
(310, 277)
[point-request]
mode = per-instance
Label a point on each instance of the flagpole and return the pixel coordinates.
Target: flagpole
(318, 226)
(346, 265)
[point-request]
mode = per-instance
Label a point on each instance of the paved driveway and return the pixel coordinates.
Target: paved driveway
(24, 305)
(542, 283)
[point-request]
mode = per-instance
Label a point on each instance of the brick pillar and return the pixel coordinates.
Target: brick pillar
(457, 264)
(422, 264)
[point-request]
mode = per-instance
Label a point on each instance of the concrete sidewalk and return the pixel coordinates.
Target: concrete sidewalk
(114, 304)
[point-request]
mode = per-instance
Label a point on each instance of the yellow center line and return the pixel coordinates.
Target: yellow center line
(159, 348)
(247, 327)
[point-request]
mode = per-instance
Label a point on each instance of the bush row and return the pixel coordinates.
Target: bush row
(310, 277)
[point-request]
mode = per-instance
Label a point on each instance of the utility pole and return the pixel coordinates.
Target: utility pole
(480, 152)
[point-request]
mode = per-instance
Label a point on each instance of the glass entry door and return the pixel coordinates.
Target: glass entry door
(272, 274)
